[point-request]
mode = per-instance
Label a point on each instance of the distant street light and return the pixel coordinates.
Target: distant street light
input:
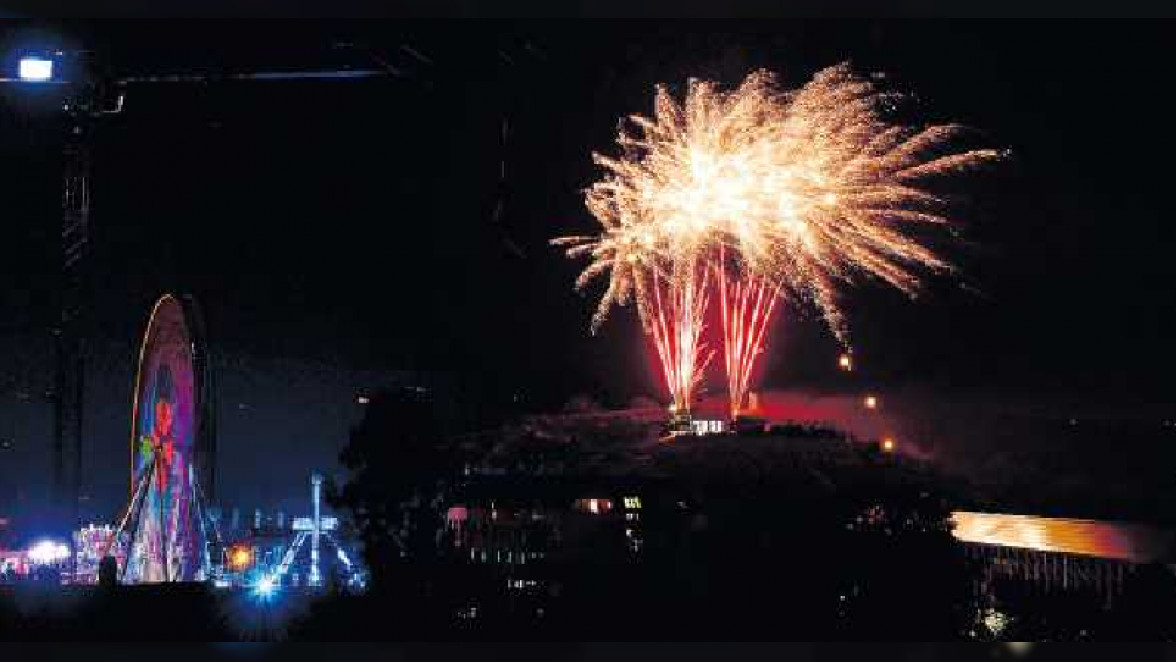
(888, 445)
(871, 402)
(845, 362)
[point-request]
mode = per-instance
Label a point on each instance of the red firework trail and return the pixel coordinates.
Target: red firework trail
(746, 305)
(677, 327)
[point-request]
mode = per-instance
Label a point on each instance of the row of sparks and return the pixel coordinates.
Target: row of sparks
(763, 194)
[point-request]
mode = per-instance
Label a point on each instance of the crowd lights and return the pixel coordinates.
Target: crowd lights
(47, 552)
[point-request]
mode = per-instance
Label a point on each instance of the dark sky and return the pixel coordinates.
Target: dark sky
(340, 233)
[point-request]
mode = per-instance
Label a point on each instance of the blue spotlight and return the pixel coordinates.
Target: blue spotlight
(265, 587)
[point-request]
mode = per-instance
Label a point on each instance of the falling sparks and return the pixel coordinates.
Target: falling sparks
(791, 193)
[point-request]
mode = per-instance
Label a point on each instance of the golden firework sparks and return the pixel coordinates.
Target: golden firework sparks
(796, 192)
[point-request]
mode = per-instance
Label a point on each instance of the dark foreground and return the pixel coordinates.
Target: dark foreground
(803, 537)
(199, 613)
(791, 601)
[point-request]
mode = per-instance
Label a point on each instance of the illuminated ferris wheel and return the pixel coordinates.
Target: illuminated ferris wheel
(164, 530)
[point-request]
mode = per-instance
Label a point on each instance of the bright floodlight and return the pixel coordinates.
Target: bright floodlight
(36, 69)
(265, 587)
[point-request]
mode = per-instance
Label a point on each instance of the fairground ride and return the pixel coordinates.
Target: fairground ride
(165, 528)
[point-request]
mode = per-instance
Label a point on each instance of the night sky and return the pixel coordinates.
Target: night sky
(342, 235)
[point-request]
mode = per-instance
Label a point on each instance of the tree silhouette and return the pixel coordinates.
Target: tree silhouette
(399, 469)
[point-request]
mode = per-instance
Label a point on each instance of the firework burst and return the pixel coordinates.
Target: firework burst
(792, 193)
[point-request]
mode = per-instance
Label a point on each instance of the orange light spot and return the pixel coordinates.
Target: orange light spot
(240, 557)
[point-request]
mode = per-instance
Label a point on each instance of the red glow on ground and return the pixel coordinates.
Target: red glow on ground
(844, 412)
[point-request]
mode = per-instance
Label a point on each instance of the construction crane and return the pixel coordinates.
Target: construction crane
(89, 95)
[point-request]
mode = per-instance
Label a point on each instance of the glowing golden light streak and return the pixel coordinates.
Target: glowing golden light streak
(1114, 540)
